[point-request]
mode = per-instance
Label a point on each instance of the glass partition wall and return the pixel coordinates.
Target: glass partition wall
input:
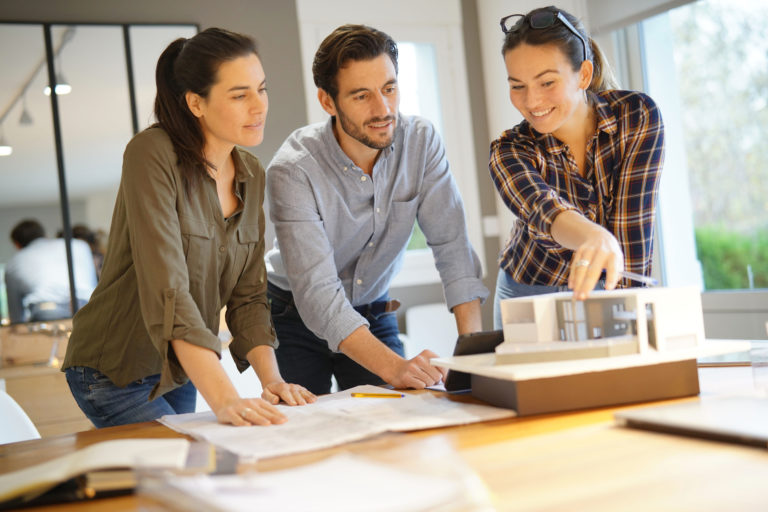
(61, 151)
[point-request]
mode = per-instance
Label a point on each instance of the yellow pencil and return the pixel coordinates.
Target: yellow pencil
(377, 395)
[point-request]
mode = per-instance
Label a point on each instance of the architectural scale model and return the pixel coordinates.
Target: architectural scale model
(554, 327)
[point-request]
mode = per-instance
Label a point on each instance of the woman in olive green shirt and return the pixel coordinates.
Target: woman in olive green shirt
(187, 238)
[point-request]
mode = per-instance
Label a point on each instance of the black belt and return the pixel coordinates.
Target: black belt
(378, 307)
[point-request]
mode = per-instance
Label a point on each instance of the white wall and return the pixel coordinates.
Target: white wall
(98, 210)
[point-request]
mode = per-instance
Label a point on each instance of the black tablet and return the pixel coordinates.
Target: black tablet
(473, 343)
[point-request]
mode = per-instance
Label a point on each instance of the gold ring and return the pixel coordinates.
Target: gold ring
(582, 263)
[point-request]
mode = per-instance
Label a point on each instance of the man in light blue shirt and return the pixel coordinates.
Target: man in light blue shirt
(344, 196)
(37, 277)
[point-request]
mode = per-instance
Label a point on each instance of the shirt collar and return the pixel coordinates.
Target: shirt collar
(606, 119)
(338, 154)
(242, 172)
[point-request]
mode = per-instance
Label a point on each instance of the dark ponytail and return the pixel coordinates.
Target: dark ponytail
(176, 119)
(192, 65)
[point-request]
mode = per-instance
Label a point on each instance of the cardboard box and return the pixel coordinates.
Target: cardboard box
(27, 344)
(590, 389)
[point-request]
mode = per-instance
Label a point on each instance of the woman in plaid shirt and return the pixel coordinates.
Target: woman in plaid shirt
(580, 172)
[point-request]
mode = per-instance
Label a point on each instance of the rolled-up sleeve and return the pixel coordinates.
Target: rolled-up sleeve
(441, 217)
(309, 257)
(516, 174)
(167, 307)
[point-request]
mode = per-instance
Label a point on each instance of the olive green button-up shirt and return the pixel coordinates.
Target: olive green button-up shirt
(172, 262)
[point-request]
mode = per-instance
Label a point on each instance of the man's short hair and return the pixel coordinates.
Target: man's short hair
(26, 231)
(349, 42)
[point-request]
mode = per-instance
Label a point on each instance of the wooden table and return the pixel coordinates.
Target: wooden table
(566, 461)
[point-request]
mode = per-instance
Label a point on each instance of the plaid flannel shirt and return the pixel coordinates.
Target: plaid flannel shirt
(537, 178)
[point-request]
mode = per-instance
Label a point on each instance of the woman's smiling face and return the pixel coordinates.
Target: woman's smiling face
(544, 87)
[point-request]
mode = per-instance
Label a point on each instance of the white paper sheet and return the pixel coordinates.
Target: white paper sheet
(332, 420)
(343, 483)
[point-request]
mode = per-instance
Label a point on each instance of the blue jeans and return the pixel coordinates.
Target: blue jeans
(107, 405)
(305, 359)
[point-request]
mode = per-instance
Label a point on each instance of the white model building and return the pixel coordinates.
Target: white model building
(555, 327)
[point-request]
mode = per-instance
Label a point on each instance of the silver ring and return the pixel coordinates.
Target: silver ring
(245, 411)
(581, 263)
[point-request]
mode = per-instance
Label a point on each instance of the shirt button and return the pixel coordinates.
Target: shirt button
(378, 210)
(222, 248)
(359, 281)
(363, 178)
(370, 244)
(346, 168)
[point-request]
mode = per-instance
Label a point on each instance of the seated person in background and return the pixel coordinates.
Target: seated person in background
(580, 172)
(37, 277)
(187, 238)
(344, 196)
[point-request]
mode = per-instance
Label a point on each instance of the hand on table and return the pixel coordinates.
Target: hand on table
(417, 373)
(291, 394)
(249, 411)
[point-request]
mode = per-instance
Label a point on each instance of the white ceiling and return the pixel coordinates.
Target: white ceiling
(95, 117)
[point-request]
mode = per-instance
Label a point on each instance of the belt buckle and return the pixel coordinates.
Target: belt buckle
(391, 305)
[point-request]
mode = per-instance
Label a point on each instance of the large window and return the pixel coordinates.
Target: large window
(706, 65)
(714, 83)
(417, 79)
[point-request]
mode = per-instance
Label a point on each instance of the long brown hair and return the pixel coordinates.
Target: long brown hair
(192, 65)
(561, 36)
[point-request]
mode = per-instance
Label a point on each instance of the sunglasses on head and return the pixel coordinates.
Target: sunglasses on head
(539, 20)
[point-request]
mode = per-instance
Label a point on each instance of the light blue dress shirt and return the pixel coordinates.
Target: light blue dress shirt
(342, 235)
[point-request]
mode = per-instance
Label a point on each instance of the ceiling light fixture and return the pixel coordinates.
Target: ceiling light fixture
(5, 148)
(62, 86)
(26, 118)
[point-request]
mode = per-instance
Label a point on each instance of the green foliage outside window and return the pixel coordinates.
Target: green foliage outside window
(731, 260)
(721, 56)
(418, 240)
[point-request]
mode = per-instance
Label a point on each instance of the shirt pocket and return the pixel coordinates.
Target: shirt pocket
(402, 217)
(197, 241)
(248, 234)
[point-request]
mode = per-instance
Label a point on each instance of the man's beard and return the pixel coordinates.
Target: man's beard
(360, 136)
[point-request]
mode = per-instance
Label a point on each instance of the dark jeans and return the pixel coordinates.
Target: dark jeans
(305, 359)
(107, 405)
